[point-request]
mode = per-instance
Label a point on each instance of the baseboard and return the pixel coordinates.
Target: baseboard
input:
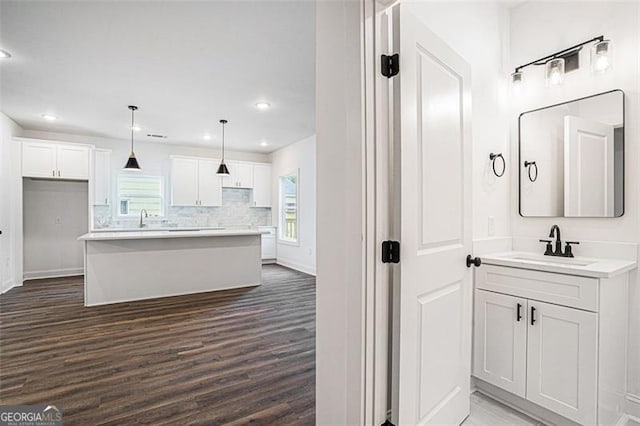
(633, 407)
(6, 286)
(297, 266)
(54, 273)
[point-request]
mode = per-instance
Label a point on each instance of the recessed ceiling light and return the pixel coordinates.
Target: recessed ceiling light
(206, 137)
(263, 105)
(49, 117)
(136, 128)
(4, 54)
(264, 143)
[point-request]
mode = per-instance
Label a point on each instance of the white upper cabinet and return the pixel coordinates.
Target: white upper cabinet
(101, 179)
(240, 175)
(194, 182)
(262, 185)
(73, 162)
(56, 161)
(209, 183)
(39, 159)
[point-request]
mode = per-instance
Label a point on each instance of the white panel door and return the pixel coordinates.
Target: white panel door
(209, 183)
(432, 129)
(184, 182)
(73, 162)
(262, 185)
(562, 360)
(588, 168)
(101, 179)
(500, 341)
(39, 160)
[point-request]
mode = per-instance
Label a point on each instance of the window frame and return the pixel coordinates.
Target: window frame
(163, 195)
(281, 238)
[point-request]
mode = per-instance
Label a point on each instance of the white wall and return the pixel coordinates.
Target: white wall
(339, 150)
(300, 157)
(8, 221)
(478, 31)
(55, 214)
(541, 28)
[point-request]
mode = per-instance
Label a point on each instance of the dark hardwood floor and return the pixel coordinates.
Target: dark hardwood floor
(229, 357)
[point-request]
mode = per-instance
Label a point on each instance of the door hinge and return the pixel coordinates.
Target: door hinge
(390, 65)
(390, 252)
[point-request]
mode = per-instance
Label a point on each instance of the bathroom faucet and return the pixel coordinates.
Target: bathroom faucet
(145, 215)
(555, 230)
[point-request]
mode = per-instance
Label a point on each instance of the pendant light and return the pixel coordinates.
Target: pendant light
(132, 163)
(222, 169)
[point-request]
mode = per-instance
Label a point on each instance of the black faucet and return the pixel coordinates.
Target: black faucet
(556, 229)
(549, 251)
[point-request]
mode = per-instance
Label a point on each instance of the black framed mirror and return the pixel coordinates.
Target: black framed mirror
(571, 158)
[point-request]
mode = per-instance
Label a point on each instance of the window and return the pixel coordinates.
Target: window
(136, 192)
(289, 207)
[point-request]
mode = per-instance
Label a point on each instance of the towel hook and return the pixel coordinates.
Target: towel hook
(528, 165)
(493, 157)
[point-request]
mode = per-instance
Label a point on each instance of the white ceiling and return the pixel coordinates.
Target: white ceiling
(185, 64)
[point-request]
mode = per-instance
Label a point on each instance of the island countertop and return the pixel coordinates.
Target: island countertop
(142, 235)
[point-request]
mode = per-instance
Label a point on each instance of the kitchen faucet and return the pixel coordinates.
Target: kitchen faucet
(555, 230)
(145, 215)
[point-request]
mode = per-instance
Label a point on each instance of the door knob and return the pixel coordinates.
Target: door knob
(473, 261)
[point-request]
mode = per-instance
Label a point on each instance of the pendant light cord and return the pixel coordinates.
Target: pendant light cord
(223, 142)
(132, 112)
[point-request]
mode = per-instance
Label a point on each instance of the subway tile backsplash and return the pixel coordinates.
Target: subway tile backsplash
(235, 212)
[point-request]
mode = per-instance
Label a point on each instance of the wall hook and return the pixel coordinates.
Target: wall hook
(530, 165)
(493, 157)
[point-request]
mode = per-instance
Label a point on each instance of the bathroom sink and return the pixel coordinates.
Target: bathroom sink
(583, 266)
(552, 259)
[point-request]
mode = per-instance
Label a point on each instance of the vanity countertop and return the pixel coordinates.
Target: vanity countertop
(583, 266)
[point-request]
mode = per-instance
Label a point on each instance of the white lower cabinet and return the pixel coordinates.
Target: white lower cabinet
(567, 360)
(500, 353)
(562, 348)
(268, 244)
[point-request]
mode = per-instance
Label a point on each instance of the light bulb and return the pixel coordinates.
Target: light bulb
(601, 57)
(554, 72)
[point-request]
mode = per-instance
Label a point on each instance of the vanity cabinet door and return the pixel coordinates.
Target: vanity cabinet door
(562, 360)
(184, 182)
(500, 345)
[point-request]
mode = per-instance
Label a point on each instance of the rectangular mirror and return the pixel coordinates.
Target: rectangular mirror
(572, 158)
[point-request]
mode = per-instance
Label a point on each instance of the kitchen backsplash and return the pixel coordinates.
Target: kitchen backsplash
(235, 212)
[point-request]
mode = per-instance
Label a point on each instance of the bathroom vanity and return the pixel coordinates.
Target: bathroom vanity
(553, 332)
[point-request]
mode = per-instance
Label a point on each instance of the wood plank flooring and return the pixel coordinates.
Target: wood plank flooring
(230, 357)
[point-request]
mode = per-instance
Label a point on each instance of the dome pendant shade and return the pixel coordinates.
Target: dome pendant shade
(222, 169)
(132, 162)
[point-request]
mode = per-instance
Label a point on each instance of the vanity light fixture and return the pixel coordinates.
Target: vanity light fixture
(567, 60)
(132, 163)
(601, 57)
(222, 169)
(4, 54)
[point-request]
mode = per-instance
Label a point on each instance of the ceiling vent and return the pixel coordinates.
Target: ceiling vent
(153, 135)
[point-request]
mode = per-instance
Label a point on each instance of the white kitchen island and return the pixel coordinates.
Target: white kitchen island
(127, 266)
